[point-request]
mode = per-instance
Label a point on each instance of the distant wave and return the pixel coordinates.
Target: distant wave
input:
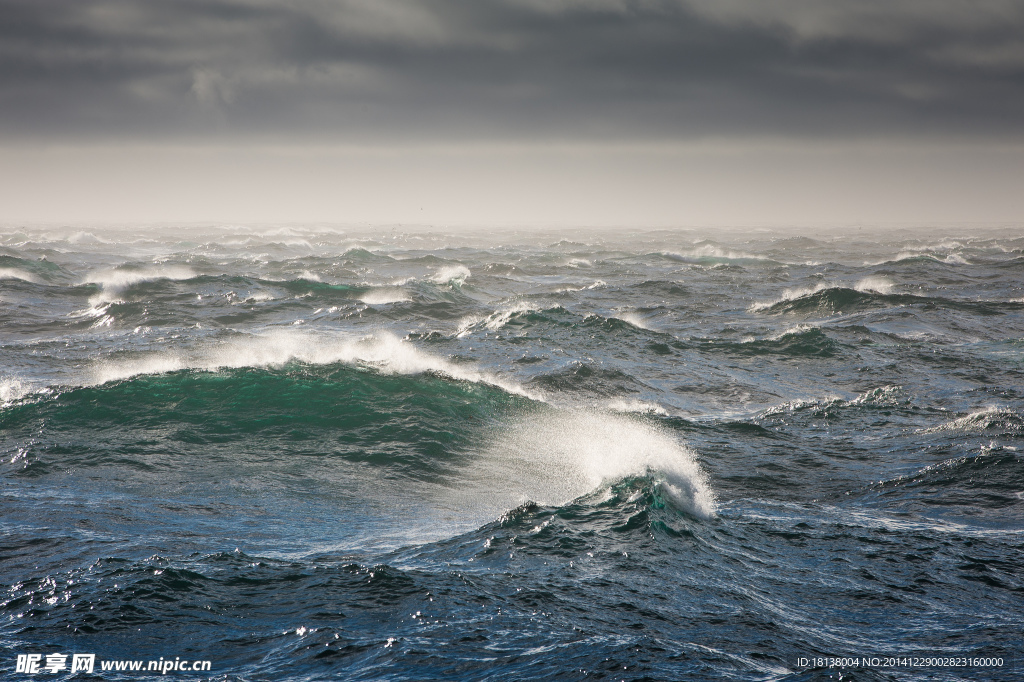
(528, 313)
(34, 271)
(992, 417)
(596, 284)
(884, 397)
(15, 273)
(707, 254)
(992, 478)
(798, 341)
(114, 283)
(872, 284)
(385, 352)
(82, 237)
(521, 312)
(359, 253)
(790, 295)
(927, 254)
(824, 299)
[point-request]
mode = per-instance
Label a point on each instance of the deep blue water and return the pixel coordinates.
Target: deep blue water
(307, 454)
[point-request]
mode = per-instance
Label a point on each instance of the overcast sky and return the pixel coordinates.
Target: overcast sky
(506, 111)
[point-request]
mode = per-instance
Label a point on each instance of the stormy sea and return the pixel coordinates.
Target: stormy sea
(305, 453)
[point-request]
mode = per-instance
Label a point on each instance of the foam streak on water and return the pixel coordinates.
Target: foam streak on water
(309, 454)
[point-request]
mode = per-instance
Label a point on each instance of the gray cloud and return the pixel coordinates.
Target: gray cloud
(510, 69)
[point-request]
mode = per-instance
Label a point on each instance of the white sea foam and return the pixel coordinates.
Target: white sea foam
(498, 319)
(636, 406)
(114, 282)
(385, 352)
(977, 421)
(906, 255)
(875, 283)
(790, 295)
(11, 388)
(259, 297)
(633, 319)
(82, 237)
(17, 273)
(884, 395)
(451, 274)
(952, 257)
(712, 251)
(596, 284)
(385, 295)
(799, 405)
(467, 324)
(556, 457)
(778, 336)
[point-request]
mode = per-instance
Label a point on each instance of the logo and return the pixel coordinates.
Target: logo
(54, 663)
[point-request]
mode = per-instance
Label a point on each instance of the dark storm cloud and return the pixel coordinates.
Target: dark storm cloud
(620, 69)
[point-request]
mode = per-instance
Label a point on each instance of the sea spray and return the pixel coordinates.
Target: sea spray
(553, 456)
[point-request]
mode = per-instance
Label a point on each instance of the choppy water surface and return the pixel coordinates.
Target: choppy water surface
(305, 454)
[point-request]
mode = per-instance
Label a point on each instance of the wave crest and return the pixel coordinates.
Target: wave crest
(990, 418)
(17, 273)
(455, 275)
(113, 283)
(385, 352)
(557, 457)
(385, 295)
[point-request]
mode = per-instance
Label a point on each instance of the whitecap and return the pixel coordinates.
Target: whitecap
(17, 273)
(876, 284)
(385, 295)
(632, 318)
(712, 251)
(556, 457)
(11, 389)
(596, 284)
(778, 336)
(385, 352)
(451, 274)
(790, 295)
(114, 282)
(977, 421)
(496, 320)
(82, 237)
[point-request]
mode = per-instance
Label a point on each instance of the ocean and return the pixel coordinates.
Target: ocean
(386, 453)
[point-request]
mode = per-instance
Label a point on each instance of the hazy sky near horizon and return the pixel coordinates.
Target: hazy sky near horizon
(512, 111)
